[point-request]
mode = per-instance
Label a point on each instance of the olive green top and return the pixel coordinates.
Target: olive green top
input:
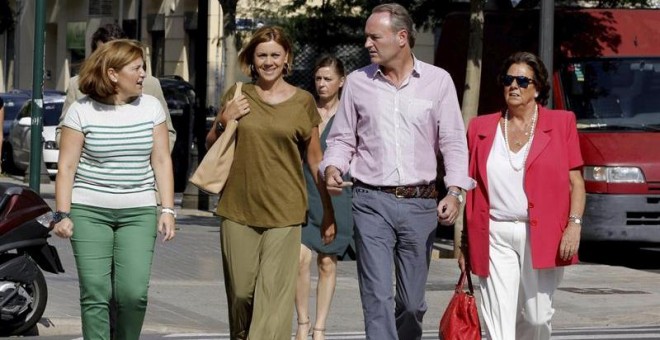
(266, 187)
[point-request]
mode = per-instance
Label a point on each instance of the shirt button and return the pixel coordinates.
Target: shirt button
(533, 222)
(530, 205)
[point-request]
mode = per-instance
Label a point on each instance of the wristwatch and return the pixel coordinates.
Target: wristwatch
(575, 219)
(60, 215)
(170, 211)
(458, 195)
(220, 127)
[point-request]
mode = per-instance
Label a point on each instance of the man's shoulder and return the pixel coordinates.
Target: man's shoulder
(367, 71)
(430, 70)
(151, 86)
(73, 88)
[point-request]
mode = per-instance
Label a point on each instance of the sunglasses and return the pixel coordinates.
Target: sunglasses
(522, 81)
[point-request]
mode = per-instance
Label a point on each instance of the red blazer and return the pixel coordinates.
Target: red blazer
(554, 152)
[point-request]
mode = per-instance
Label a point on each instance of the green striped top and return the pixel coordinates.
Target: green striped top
(115, 164)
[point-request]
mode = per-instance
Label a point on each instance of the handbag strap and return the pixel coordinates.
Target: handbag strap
(461, 281)
(237, 92)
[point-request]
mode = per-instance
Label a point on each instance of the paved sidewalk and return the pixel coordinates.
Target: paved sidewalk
(187, 290)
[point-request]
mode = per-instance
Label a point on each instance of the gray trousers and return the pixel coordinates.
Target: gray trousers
(393, 232)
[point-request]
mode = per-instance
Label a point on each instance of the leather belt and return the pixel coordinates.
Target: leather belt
(405, 191)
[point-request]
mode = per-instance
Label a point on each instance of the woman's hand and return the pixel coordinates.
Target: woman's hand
(570, 241)
(64, 228)
(235, 110)
(328, 229)
(166, 226)
(461, 260)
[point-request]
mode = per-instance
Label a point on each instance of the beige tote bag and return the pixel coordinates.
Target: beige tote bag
(213, 171)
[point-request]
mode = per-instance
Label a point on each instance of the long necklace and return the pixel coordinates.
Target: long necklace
(529, 141)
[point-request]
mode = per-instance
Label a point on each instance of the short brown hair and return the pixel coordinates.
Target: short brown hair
(107, 33)
(399, 18)
(262, 35)
(115, 54)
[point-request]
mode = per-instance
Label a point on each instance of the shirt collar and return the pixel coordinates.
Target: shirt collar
(374, 69)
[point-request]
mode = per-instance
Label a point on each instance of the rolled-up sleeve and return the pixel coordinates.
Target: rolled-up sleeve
(341, 141)
(452, 141)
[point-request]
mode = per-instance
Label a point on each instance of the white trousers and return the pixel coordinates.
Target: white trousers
(516, 299)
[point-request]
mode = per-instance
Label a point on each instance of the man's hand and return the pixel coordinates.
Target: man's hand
(334, 182)
(448, 210)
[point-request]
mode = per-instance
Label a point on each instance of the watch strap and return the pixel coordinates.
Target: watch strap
(458, 195)
(575, 219)
(60, 215)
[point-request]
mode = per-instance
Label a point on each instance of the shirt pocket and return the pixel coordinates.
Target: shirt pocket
(419, 111)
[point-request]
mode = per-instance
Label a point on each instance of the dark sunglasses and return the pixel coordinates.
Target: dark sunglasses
(522, 81)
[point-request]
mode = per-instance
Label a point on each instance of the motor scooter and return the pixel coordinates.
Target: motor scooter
(25, 225)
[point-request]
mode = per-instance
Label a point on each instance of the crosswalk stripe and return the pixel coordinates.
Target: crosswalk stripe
(605, 333)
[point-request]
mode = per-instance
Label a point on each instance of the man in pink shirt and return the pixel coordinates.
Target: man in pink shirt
(395, 116)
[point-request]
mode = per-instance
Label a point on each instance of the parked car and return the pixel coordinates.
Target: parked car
(20, 133)
(182, 103)
(13, 103)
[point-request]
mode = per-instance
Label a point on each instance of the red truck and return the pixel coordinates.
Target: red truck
(607, 71)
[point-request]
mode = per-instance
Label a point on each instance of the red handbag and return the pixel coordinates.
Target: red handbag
(460, 320)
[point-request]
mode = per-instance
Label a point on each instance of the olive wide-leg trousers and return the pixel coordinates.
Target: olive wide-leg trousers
(260, 268)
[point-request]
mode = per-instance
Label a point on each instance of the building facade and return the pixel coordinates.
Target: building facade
(168, 28)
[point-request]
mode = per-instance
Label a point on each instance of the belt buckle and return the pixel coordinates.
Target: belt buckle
(400, 192)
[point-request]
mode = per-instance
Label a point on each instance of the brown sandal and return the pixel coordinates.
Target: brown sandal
(305, 323)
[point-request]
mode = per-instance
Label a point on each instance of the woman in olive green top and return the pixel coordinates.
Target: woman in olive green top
(264, 201)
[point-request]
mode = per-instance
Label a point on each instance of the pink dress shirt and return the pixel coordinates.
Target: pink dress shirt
(388, 136)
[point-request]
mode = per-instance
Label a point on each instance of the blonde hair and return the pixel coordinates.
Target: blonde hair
(115, 54)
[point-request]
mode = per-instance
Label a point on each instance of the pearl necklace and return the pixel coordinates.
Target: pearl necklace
(529, 141)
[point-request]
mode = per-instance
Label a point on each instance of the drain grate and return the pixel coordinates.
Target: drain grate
(601, 291)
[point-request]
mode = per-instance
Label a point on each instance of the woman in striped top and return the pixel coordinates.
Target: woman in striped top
(114, 153)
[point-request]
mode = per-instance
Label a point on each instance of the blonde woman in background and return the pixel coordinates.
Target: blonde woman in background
(329, 76)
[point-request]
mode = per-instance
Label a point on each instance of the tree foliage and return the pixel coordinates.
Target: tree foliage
(333, 21)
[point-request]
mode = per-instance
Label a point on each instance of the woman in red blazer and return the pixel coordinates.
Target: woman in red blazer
(524, 217)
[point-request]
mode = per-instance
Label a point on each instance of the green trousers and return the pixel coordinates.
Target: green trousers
(113, 249)
(260, 267)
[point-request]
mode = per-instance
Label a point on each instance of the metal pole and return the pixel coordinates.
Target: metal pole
(201, 86)
(37, 96)
(546, 38)
(138, 33)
